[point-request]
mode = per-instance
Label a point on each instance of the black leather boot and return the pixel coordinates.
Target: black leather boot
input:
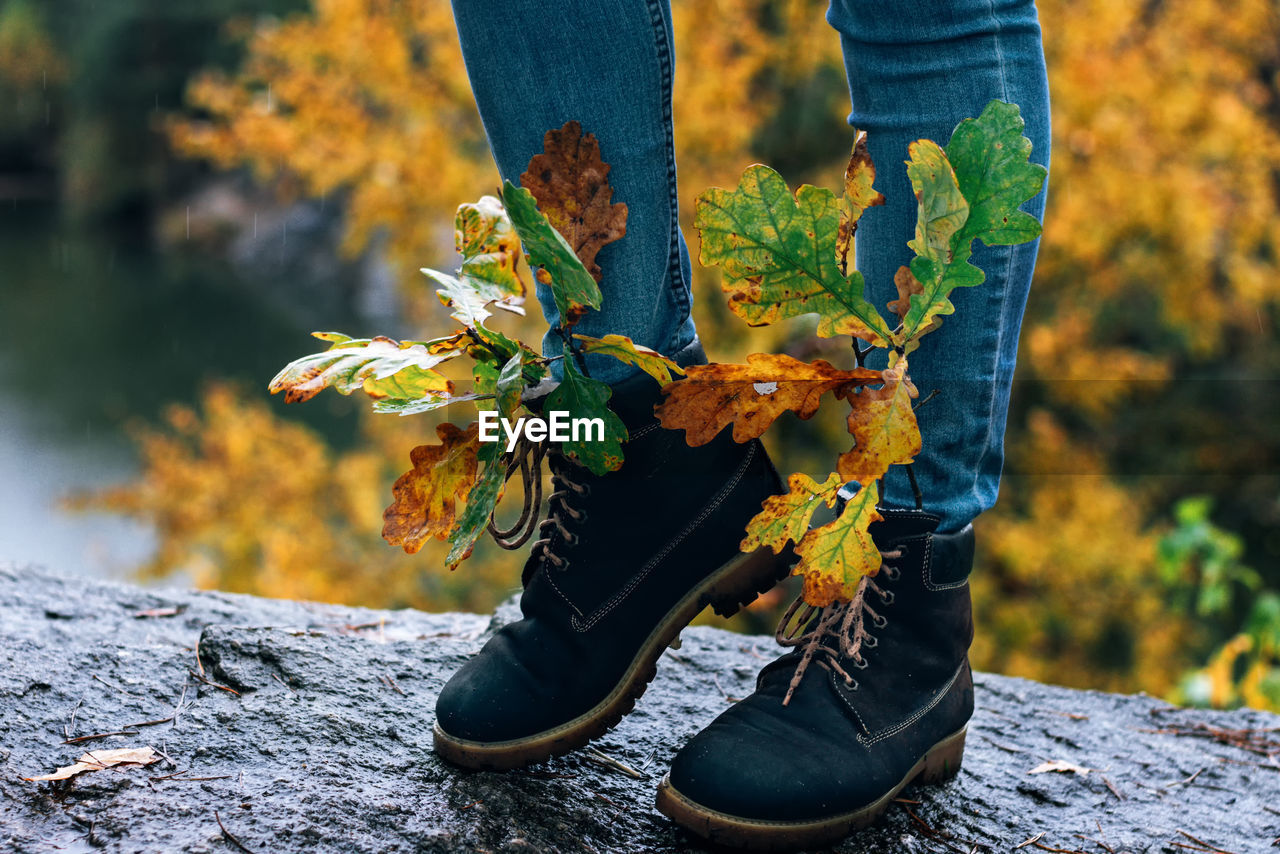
(875, 694)
(626, 561)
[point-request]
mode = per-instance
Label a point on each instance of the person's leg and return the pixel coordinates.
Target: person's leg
(608, 64)
(878, 692)
(626, 560)
(915, 70)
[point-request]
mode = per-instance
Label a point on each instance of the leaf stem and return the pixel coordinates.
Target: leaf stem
(915, 486)
(571, 346)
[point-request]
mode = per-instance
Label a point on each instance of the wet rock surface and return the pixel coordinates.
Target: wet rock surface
(323, 743)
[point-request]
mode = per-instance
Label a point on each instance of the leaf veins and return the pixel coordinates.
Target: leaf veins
(753, 395)
(571, 183)
(427, 497)
(883, 426)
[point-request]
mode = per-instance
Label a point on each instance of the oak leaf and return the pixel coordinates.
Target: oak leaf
(426, 498)
(859, 194)
(778, 254)
(835, 556)
(381, 367)
(752, 396)
(485, 494)
(571, 183)
(584, 397)
(572, 286)
(97, 760)
(884, 427)
(984, 172)
(625, 350)
(487, 241)
(785, 518)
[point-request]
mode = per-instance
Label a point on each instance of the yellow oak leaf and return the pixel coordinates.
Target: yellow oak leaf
(884, 427)
(625, 350)
(835, 556)
(859, 194)
(785, 518)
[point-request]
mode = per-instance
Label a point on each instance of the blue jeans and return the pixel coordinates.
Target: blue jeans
(915, 69)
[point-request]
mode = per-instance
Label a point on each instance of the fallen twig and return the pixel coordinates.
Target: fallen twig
(71, 724)
(82, 738)
(214, 684)
(1204, 846)
(727, 696)
(1044, 847)
(1252, 740)
(111, 685)
(236, 842)
(1183, 782)
(1111, 787)
(596, 755)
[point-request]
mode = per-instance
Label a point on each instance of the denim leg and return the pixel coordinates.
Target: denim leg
(915, 69)
(535, 64)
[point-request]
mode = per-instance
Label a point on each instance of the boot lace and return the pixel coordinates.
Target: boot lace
(527, 458)
(828, 635)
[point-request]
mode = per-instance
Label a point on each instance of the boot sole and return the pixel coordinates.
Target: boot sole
(736, 584)
(939, 764)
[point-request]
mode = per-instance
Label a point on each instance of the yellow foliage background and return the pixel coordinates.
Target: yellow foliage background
(1159, 258)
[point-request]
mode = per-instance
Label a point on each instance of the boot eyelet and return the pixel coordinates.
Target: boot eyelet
(870, 642)
(892, 573)
(879, 622)
(861, 663)
(887, 597)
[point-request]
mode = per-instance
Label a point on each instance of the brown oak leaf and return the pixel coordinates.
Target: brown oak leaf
(426, 498)
(571, 183)
(753, 395)
(907, 285)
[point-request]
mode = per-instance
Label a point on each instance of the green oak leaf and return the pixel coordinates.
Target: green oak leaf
(491, 478)
(627, 351)
(778, 254)
(583, 397)
(987, 166)
(574, 289)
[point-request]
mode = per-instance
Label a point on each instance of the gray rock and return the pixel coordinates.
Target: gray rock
(326, 743)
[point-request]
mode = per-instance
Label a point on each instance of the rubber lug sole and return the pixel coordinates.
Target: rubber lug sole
(939, 764)
(733, 586)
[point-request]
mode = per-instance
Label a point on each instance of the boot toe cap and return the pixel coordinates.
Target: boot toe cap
(491, 699)
(755, 767)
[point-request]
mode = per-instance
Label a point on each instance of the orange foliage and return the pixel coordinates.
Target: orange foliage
(1165, 117)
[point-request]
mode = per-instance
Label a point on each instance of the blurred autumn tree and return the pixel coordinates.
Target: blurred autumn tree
(1146, 359)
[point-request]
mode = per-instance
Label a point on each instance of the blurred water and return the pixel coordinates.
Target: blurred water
(99, 330)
